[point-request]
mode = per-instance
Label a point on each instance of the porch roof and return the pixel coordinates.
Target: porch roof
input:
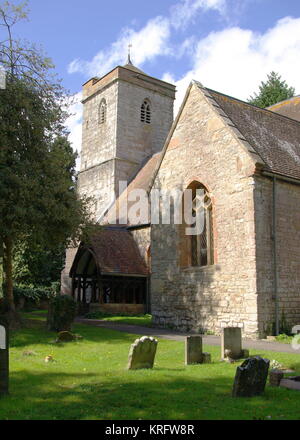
(111, 250)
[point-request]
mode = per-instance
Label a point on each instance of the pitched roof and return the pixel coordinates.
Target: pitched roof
(142, 180)
(115, 252)
(275, 138)
(288, 107)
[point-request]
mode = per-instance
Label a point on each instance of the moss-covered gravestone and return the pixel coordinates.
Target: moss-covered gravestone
(193, 351)
(142, 353)
(4, 357)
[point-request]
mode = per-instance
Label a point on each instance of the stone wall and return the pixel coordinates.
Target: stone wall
(137, 140)
(114, 151)
(205, 149)
(288, 252)
(142, 237)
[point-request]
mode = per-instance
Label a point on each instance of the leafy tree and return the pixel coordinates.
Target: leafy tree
(38, 198)
(272, 91)
(37, 265)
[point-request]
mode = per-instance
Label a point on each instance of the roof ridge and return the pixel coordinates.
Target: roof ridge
(247, 103)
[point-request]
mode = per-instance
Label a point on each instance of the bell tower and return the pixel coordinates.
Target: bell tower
(127, 115)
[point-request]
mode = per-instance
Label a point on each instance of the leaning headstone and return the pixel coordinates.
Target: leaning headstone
(231, 343)
(4, 355)
(142, 353)
(251, 377)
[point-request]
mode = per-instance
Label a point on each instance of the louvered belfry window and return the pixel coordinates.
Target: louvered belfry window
(102, 112)
(146, 112)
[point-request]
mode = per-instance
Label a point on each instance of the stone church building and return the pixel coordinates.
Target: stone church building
(244, 268)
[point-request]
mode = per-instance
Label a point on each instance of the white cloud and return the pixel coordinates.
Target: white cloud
(234, 61)
(149, 42)
(185, 11)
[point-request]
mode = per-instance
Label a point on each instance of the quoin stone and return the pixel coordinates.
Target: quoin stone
(251, 377)
(142, 353)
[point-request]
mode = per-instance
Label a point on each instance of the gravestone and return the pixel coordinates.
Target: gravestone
(4, 358)
(251, 377)
(142, 353)
(275, 377)
(193, 351)
(65, 337)
(231, 343)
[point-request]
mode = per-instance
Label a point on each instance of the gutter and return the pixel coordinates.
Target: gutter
(275, 265)
(275, 177)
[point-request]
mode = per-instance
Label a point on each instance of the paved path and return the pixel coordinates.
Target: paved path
(177, 336)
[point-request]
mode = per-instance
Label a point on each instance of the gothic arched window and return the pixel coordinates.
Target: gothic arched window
(197, 248)
(146, 112)
(102, 112)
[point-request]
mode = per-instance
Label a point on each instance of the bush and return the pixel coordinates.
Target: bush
(61, 313)
(29, 296)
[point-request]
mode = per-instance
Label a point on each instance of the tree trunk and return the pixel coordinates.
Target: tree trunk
(8, 274)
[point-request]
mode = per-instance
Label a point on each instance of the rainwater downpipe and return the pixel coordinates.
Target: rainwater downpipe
(275, 266)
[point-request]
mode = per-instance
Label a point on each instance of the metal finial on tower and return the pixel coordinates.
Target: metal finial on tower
(129, 58)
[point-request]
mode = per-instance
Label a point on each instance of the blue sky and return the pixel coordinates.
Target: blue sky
(228, 45)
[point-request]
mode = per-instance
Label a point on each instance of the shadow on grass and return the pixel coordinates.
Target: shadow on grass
(136, 395)
(35, 332)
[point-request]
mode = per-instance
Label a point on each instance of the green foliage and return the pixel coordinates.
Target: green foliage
(36, 264)
(285, 339)
(38, 198)
(61, 313)
(272, 91)
(34, 294)
(284, 327)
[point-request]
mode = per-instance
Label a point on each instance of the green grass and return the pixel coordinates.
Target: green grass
(88, 380)
(142, 320)
(284, 339)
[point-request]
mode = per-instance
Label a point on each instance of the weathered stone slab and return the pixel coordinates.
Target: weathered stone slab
(292, 383)
(231, 343)
(193, 350)
(251, 376)
(275, 377)
(142, 353)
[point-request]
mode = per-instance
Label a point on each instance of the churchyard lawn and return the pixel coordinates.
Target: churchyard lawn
(88, 380)
(142, 320)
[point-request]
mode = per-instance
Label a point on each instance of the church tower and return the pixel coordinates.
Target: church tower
(127, 115)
